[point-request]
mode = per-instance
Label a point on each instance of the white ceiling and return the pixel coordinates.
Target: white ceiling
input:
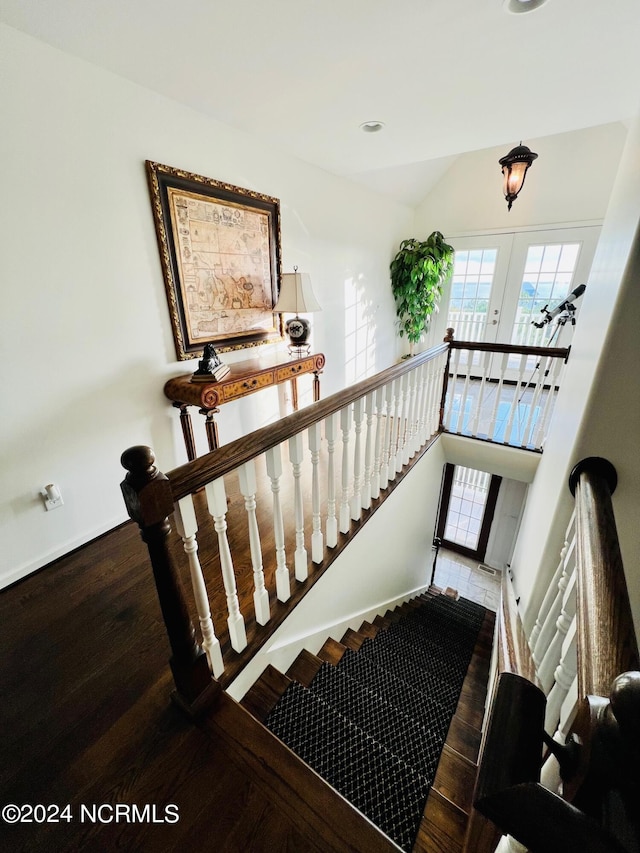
(445, 76)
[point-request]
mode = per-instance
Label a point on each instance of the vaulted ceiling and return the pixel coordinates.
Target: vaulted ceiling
(444, 76)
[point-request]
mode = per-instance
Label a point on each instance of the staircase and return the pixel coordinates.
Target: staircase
(390, 717)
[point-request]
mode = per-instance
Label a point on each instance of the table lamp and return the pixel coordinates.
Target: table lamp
(296, 294)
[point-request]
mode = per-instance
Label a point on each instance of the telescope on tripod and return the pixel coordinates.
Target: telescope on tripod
(564, 311)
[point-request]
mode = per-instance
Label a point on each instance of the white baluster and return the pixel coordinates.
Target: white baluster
(508, 844)
(401, 417)
(395, 432)
(498, 394)
(296, 456)
(411, 413)
(317, 541)
(552, 589)
(550, 773)
(274, 470)
(430, 379)
(475, 423)
(419, 402)
(452, 422)
(369, 405)
(345, 426)
(514, 411)
(377, 456)
(187, 527)
(540, 373)
(551, 657)
(548, 627)
(432, 373)
(434, 379)
(388, 432)
(248, 488)
(563, 679)
(462, 427)
(331, 433)
(553, 381)
(217, 502)
(356, 498)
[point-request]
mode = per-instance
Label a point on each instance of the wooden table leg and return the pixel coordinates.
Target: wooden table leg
(294, 392)
(316, 386)
(187, 431)
(211, 427)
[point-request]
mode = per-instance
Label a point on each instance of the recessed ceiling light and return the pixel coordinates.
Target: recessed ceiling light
(518, 7)
(372, 126)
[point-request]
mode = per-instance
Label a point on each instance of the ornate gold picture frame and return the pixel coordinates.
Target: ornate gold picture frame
(220, 253)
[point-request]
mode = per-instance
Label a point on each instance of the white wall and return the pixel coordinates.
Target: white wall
(598, 408)
(86, 344)
(570, 182)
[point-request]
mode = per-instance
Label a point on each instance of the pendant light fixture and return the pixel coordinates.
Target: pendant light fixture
(514, 170)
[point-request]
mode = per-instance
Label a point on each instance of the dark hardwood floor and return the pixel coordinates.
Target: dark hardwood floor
(86, 718)
(87, 721)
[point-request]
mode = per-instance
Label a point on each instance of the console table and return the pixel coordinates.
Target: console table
(245, 377)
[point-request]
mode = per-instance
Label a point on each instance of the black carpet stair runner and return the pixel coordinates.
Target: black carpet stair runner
(374, 725)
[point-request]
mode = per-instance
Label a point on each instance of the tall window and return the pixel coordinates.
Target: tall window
(469, 492)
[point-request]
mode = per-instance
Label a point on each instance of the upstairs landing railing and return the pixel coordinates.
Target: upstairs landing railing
(238, 533)
(560, 762)
(500, 392)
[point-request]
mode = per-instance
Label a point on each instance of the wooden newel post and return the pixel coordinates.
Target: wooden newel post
(147, 495)
(448, 339)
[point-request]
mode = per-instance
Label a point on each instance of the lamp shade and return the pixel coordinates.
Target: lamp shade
(296, 294)
(514, 170)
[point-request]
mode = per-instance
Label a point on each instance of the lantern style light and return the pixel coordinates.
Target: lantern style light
(514, 170)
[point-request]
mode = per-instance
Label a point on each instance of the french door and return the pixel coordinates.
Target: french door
(500, 284)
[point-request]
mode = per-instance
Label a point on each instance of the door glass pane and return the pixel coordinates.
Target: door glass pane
(473, 274)
(469, 492)
(547, 279)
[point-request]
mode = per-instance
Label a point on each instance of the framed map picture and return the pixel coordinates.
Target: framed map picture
(220, 252)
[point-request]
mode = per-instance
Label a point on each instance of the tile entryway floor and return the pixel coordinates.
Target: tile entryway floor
(462, 574)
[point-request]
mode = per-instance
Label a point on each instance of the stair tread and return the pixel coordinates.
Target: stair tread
(455, 779)
(331, 651)
(352, 639)
(443, 826)
(304, 667)
(464, 738)
(265, 692)
(368, 629)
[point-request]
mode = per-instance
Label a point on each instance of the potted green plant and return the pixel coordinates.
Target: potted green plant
(418, 272)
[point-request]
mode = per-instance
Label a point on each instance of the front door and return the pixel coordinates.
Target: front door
(466, 510)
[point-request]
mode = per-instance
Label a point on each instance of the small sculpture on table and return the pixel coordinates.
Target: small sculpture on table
(210, 368)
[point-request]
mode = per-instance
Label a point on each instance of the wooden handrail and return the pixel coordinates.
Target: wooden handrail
(514, 654)
(194, 475)
(606, 638)
(516, 349)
